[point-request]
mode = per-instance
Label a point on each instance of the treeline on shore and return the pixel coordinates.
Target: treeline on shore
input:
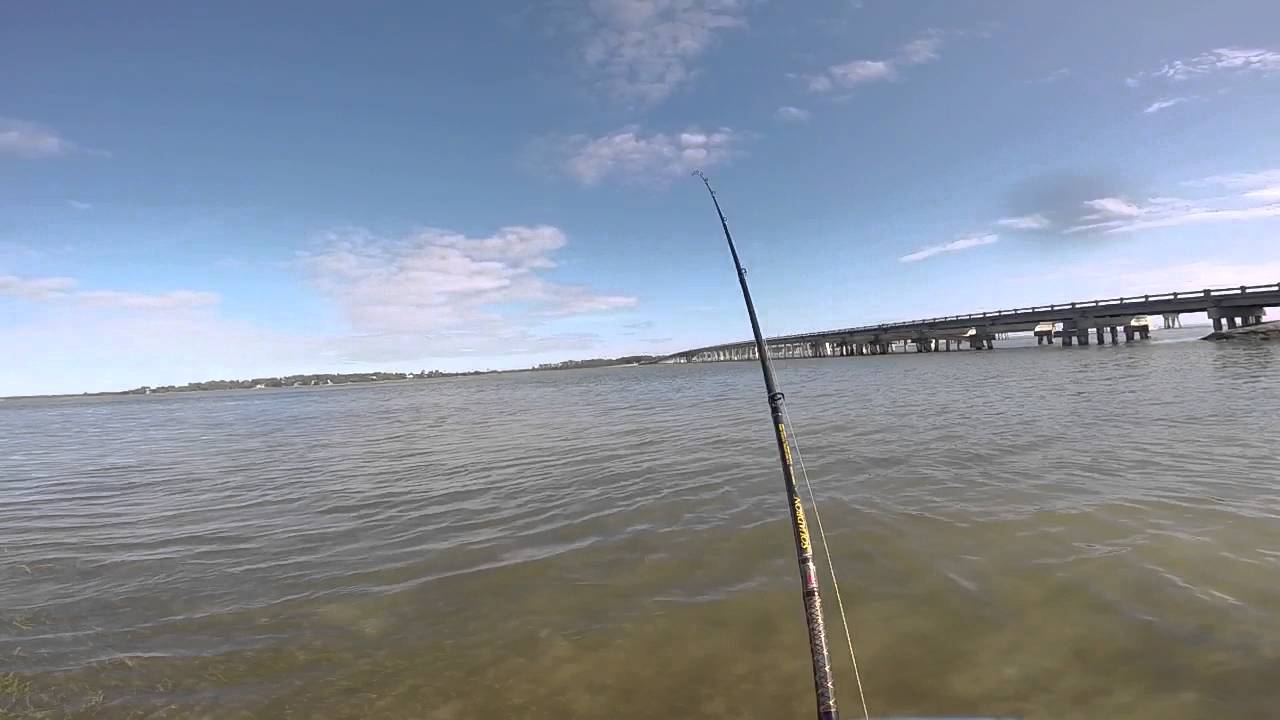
(364, 377)
(298, 381)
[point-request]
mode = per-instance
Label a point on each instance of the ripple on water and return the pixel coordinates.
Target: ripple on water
(1030, 532)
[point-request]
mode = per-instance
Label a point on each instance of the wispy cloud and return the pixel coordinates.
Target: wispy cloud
(788, 113)
(146, 301)
(1249, 183)
(32, 141)
(29, 140)
(29, 288)
(1228, 60)
(1055, 76)
(79, 205)
(1159, 105)
(436, 292)
(1235, 197)
(1035, 221)
(641, 51)
(1131, 276)
(965, 243)
(64, 289)
(632, 155)
(847, 75)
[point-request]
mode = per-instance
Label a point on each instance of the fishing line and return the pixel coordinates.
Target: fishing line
(831, 566)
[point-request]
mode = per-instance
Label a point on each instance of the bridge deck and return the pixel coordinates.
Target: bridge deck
(1242, 301)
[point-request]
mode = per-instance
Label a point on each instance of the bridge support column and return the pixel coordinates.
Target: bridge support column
(1066, 340)
(1144, 332)
(1115, 335)
(1231, 323)
(1101, 340)
(1128, 333)
(1217, 324)
(1083, 336)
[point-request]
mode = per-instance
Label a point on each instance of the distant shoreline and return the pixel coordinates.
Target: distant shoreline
(332, 379)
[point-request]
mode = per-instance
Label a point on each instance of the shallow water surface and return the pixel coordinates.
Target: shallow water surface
(1036, 532)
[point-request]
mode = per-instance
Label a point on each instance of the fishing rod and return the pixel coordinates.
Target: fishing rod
(822, 684)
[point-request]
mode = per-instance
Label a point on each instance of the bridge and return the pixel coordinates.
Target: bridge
(1069, 322)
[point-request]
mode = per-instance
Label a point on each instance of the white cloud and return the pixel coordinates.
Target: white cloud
(788, 113)
(79, 205)
(1159, 105)
(1229, 60)
(1248, 196)
(437, 293)
(819, 83)
(1112, 207)
(856, 72)
(29, 140)
(32, 141)
(1266, 193)
(643, 50)
(921, 50)
(63, 289)
(1035, 221)
(965, 243)
(432, 295)
(639, 157)
(861, 71)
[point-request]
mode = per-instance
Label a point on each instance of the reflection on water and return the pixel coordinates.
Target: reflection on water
(1038, 532)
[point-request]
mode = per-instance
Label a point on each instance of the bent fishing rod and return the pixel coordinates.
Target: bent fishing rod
(822, 683)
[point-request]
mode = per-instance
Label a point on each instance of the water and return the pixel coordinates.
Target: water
(1036, 532)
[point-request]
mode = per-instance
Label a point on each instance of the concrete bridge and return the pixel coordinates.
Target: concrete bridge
(1070, 323)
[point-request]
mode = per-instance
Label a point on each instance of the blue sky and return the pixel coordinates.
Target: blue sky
(191, 193)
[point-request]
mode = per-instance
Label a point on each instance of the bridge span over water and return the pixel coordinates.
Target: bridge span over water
(1067, 322)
